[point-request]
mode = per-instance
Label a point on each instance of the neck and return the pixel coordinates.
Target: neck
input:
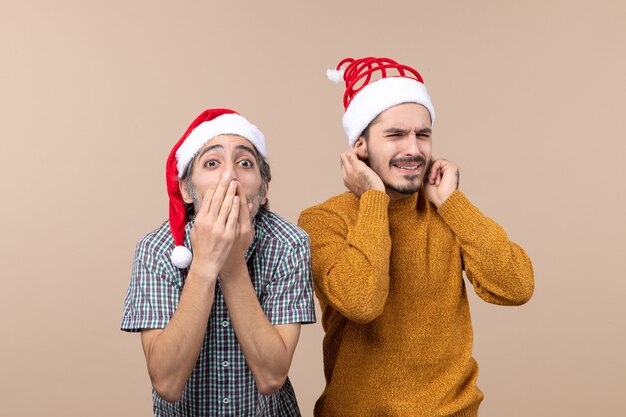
(395, 195)
(405, 201)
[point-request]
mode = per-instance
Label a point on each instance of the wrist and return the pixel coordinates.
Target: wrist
(234, 270)
(202, 271)
(443, 201)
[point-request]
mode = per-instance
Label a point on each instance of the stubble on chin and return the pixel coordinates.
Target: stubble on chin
(407, 189)
(412, 183)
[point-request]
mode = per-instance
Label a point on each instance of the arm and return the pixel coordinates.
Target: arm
(499, 270)
(268, 349)
(351, 261)
(171, 353)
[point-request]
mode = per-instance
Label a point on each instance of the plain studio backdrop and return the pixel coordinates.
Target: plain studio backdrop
(530, 99)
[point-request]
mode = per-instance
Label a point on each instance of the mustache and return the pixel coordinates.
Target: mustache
(407, 160)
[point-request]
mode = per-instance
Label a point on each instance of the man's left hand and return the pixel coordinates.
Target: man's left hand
(442, 181)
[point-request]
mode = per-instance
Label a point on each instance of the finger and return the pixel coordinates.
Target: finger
(233, 216)
(344, 159)
(218, 196)
(206, 201)
(442, 172)
(244, 212)
(346, 169)
(448, 170)
(438, 171)
(354, 163)
(227, 204)
(436, 174)
(345, 162)
(432, 173)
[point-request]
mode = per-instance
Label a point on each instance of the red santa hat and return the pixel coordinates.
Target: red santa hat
(374, 85)
(209, 124)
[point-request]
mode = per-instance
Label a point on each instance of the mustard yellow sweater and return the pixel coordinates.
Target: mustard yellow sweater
(389, 278)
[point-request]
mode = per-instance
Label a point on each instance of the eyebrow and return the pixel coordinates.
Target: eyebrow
(208, 149)
(239, 147)
(396, 131)
(247, 149)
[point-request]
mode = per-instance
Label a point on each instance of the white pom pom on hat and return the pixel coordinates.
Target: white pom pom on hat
(374, 85)
(334, 75)
(181, 257)
(209, 124)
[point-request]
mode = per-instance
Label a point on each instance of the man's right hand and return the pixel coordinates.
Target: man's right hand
(357, 176)
(213, 232)
(172, 352)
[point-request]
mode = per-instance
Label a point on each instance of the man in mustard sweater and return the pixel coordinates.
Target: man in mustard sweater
(389, 255)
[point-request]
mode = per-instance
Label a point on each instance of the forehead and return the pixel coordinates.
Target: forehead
(405, 116)
(228, 142)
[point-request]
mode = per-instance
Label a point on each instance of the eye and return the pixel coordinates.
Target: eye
(211, 163)
(246, 163)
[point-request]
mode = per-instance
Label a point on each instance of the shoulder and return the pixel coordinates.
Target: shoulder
(342, 205)
(153, 262)
(156, 245)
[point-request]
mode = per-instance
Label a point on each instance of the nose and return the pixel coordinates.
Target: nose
(411, 147)
(229, 169)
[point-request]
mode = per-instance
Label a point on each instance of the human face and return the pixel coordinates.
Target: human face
(398, 148)
(223, 155)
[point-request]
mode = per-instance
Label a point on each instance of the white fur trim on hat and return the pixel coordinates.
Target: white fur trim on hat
(226, 124)
(379, 96)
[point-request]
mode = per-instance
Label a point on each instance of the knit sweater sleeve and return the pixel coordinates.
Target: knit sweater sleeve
(499, 270)
(351, 258)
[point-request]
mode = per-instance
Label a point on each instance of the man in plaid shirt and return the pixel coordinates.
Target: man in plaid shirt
(219, 327)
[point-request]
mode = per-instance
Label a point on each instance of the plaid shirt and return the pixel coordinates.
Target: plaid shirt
(221, 383)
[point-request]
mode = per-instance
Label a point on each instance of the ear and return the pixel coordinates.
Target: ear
(184, 192)
(361, 148)
(267, 188)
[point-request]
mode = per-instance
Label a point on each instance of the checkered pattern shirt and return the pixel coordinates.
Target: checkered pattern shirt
(221, 383)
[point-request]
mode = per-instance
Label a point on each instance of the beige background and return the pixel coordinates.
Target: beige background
(530, 100)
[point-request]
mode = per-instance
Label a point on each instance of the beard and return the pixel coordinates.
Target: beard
(255, 199)
(412, 183)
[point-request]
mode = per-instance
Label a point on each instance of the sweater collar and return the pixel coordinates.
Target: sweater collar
(404, 203)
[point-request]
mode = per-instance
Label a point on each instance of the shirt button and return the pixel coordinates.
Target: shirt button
(225, 400)
(224, 323)
(225, 364)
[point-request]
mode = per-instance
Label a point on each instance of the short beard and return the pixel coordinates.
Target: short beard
(256, 200)
(410, 188)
